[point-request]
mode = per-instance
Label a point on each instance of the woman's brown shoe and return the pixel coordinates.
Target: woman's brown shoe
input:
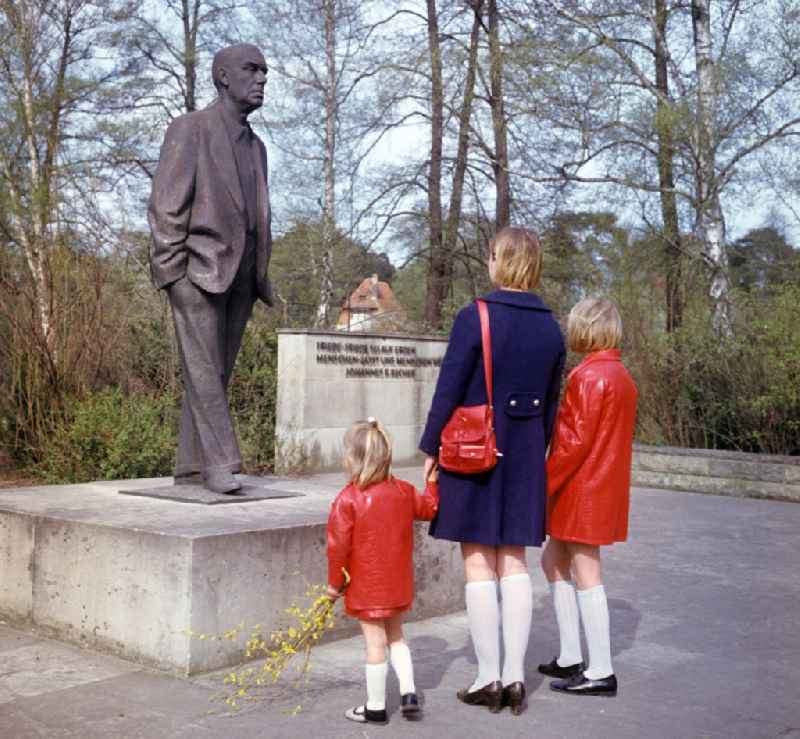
(514, 697)
(490, 695)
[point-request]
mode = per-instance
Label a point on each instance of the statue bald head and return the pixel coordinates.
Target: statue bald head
(240, 73)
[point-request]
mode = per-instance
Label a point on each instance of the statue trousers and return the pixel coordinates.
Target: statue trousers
(209, 328)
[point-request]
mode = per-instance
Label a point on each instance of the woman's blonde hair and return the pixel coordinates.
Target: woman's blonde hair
(594, 324)
(367, 453)
(518, 255)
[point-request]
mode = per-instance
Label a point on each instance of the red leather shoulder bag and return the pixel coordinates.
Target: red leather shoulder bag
(468, 443)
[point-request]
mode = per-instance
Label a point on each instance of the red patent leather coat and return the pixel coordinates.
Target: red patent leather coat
(371, 533)
(589, 467)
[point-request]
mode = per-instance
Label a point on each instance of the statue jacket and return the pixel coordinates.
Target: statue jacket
(197, 210)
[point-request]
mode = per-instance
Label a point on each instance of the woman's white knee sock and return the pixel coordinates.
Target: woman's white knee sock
(376, 686)
(517, 610)
(484, 625)
(596, 626)
(565, 605)
(400, 655)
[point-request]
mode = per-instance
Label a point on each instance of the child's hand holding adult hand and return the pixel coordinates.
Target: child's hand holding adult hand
(431, 468)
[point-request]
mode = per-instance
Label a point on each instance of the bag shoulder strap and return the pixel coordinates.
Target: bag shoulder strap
(486, 343)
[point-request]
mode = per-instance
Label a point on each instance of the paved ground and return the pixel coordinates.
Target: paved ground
(705, 608)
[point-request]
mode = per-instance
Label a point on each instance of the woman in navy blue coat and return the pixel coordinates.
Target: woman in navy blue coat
(495, 515)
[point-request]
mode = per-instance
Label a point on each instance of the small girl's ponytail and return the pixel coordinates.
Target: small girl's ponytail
(368, 453)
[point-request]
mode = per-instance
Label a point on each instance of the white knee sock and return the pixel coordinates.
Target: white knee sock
(594, 614)
(517, 611)
(566, 607)
(376, 686)
(484, 626)
(400, 656)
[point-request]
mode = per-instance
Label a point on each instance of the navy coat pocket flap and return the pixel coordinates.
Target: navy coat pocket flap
(524, 405)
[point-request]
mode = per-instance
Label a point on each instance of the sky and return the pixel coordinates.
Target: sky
(741, 214)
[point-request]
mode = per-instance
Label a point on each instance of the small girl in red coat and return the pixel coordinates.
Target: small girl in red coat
(371, 534)
(588, 488)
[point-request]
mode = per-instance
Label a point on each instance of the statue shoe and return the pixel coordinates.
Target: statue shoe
(188, 478)
(582, 685)
(222, 482)
(490, 695)
(553, 669)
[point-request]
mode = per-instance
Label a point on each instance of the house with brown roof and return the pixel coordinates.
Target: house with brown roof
(372, 306)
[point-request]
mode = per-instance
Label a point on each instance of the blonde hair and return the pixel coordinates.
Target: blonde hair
(518, 254)
(594, 324)
(367, 453)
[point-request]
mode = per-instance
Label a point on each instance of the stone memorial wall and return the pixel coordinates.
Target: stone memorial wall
(328, 379)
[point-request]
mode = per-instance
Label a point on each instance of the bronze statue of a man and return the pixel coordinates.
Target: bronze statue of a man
(210, 219)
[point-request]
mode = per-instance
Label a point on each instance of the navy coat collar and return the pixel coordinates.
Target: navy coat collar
(516, 299)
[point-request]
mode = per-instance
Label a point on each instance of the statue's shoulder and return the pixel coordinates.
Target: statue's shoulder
(194, 121)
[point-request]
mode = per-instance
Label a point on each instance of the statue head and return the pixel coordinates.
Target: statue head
(240, 73)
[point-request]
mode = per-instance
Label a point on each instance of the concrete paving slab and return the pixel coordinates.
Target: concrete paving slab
(703, 601)
(35, 669)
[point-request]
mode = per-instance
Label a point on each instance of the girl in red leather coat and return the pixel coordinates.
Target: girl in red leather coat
(371, 534)
(588, 488)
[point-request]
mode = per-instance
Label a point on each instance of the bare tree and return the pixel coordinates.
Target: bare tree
(169, 44)
(322, 55)
(715, 123)
(497, 102)
(331, 100)
(55, 86)
(437, 262)
(49, 81)
(453, 223)
(173, 42)
(665, 157)
(710, 222)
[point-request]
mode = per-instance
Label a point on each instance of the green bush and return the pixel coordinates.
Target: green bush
(741, 392)
(110, 436)
(252, 396)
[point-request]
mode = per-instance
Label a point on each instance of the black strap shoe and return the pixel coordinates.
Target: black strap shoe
(582, 685)
(553, 669)
(363, 715)
(490, 695)
(409, 706)
(514, 697)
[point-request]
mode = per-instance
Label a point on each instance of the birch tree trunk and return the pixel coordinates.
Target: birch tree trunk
(666, 178)
(32, 199)
(329, 172)
(709, 223)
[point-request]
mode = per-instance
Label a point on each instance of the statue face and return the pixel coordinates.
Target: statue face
(244, 76)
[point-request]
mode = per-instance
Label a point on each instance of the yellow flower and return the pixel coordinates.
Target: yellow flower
(307, 626)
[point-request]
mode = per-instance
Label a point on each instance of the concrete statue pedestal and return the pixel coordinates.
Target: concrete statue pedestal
(131, 575)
